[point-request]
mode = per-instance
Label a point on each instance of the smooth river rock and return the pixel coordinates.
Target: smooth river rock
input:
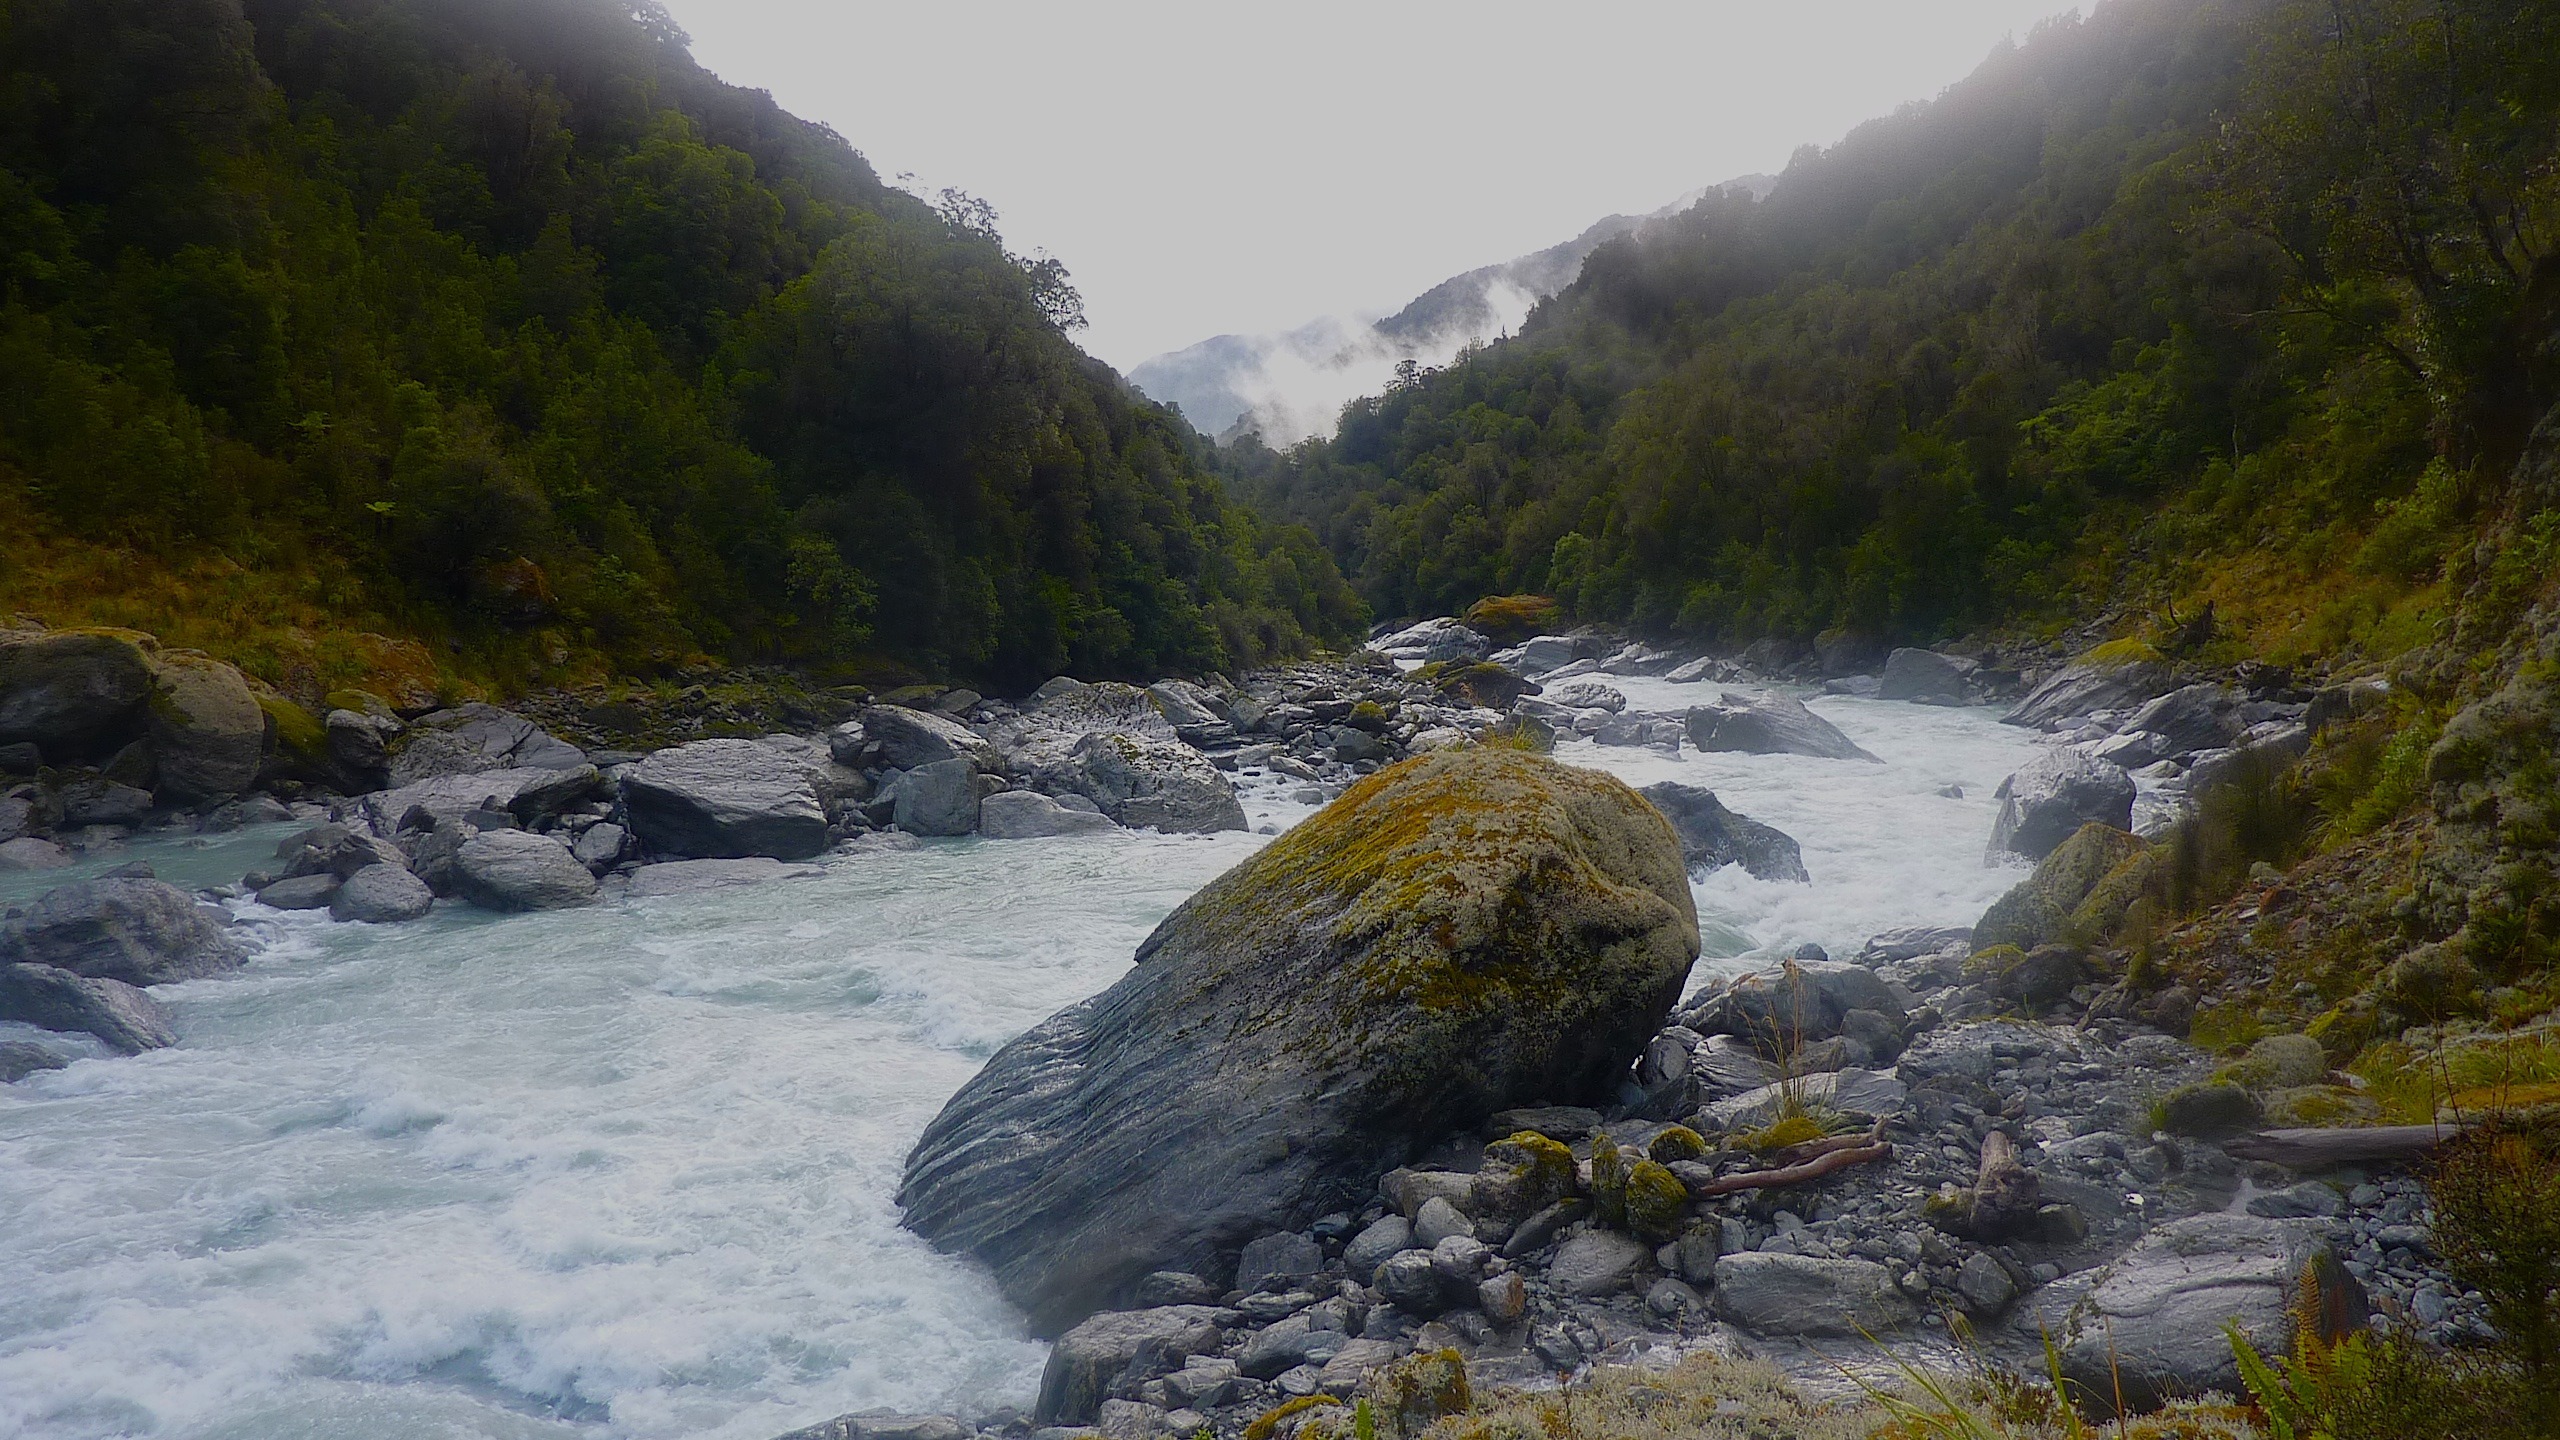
(2156, 1326)
(72, 693)
(382, 894)
(1460, 934)
(518, 870)
(1028, 815)
(1778, 1294)
(724, 799)
(141, 932)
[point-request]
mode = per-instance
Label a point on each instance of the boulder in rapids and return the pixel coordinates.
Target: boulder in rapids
(140, 932)
(2051, 797)
(1712, 837)
(1769, 725)
(122, 1015)
(1457, 935)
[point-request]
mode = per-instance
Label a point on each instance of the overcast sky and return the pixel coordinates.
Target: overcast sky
(1205, 167)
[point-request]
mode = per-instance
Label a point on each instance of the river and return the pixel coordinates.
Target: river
(629, 1171)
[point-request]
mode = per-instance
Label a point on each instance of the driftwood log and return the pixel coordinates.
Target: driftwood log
(1829, 1162)
(2316, 1149)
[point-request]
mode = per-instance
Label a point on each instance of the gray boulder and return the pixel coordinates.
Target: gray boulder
(1388, 1235)
(937, 799)
(1597, 1262)
(141, 932)
(22, 1058)
(2088, 685)
(2052, 796)
(1434, 640)
(382, 894)
(1923, 675)
(1030, 815)
(1090, 1360)
(722, 799)
(517, 870)
(1277, 1261)
(1288, 1344)
(358, 747)
(2156, 1322)
(686, 877)
(2266, 750)
(72, 693)
(1145, 783)
(2188, 719)
(27, 853)
(472, 738)
(1802, 1001)
(1771, 1293)
(883, 1425)
(1768, 725)
(601, 846)
(530, 795)
(1309, 1019)
(206, 730)
(908, 739)
(301, 892)
(1712, 837)
(336, 850)
(128, 1020)
(1849, 1091)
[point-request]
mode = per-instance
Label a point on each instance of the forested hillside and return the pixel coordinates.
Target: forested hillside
(2241, 302)
(500, 325)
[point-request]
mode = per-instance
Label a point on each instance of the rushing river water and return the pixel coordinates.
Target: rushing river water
(628, 1171)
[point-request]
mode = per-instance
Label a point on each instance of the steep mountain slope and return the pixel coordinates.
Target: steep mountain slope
(1290, 386)
(505, 327)
(2241, 302)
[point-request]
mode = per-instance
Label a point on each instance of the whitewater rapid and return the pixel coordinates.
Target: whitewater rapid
(629, 1171)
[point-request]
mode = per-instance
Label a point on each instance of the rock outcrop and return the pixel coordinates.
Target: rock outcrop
(1466, 932)
(2107, 678)
(1769, 725)
(725, 799)
(1712, 837)
(477, 737)
(1924, 676)
(1143, 783)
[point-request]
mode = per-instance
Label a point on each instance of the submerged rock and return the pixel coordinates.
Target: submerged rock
(1712, 836)
(142, 932)
(1769, 725)
(725, 799)
(1460, 934)
(685, 877)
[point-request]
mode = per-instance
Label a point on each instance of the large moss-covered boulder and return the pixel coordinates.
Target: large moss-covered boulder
(206, 728)
(2041, 907)
(1457, 935)
(73, 694)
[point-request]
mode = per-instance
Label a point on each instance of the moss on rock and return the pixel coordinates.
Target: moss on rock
(1654, 1201)
(2043, 906)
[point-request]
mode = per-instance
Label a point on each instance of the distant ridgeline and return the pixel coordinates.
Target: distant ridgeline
(2248, 302)
(501, 324)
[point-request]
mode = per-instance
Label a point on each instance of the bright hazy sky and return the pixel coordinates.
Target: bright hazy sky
(1207, 167)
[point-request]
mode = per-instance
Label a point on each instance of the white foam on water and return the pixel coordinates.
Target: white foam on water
(1882, 845)
(630, 1171)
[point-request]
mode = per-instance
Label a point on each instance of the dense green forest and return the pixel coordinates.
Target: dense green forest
(2249, 302)
(502, 325)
